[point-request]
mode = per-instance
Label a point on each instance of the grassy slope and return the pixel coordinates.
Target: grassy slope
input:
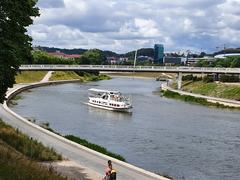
(70, 75)
(65, 75)
(30, 76)
(19, 156)
(214, 89)
(25, 145)
(14, 165)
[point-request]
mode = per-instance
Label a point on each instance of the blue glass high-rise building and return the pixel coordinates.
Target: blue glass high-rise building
(158, 53)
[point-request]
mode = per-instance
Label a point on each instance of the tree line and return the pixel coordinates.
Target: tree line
(232, 62)
(93, 56)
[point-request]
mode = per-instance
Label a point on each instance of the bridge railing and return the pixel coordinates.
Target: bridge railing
(129, 68)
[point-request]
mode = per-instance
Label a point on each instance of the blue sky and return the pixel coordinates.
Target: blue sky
(122, 26)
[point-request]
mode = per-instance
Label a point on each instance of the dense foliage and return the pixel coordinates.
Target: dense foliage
(229, 78)
(15, 44)
(232, 62)
(40, 57)
(190, 77)
(92, 56)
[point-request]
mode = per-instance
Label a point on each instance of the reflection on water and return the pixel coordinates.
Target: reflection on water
(102, 113)
(162, 135)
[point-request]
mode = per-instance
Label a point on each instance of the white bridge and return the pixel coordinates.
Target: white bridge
(119, 68)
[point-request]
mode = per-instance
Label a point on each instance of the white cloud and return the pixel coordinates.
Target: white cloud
(126, 25)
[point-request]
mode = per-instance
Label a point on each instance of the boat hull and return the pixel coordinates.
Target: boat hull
(110, 108)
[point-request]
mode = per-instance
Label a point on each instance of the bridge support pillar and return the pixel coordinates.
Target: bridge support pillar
(179, 81)
(215, 76)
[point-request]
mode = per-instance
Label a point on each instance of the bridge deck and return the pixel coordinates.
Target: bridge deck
(119, 68)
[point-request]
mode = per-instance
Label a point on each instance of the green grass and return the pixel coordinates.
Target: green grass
(30, 76)
(14, 165)
(91, 77)
(20, 157)
(65, 75)
(220, 90)
(25, 145)
(71, 75)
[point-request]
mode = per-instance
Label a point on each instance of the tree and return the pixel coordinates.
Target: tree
(15, 44)
(92, 56)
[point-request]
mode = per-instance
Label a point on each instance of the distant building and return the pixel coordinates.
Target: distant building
(63, 55)
(144, 58)
(158, 53)
(194, 61)
(171, 61)
(123, 59)
(112, 60)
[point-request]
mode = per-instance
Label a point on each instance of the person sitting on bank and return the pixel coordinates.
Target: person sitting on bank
(110, 173)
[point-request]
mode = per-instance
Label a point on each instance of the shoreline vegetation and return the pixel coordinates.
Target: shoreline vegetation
(194, 100)
(83, 142)
(21, 156)
(228, 87)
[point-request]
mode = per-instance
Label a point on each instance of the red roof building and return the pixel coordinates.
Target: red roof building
(63, 55)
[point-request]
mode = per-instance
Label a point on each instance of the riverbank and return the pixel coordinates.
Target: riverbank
(21, 156)
(214, 89)
(199, 99)
(81, 76)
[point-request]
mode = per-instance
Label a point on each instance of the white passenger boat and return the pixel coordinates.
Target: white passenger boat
(110, 100)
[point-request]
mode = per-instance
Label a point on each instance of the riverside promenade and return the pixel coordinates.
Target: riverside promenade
(91, 163)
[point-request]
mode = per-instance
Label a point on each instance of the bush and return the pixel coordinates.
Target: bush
(191, 78)
(208, 79)
(229, 78)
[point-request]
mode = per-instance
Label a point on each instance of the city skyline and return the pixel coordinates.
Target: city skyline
(198, 25)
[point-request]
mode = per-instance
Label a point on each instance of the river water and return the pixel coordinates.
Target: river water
(162, 135)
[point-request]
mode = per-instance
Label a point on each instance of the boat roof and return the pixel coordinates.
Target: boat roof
(103, 91)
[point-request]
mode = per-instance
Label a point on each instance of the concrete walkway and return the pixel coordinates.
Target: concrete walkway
(47, 76)
(92, 162)
(226, 102)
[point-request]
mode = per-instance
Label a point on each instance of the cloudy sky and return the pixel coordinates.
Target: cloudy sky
(122, 26)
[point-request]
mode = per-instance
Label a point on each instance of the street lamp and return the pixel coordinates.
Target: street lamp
(135, 59)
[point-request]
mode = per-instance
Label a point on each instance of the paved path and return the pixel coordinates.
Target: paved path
(95, 162)
(227, 102)
(47, 76)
